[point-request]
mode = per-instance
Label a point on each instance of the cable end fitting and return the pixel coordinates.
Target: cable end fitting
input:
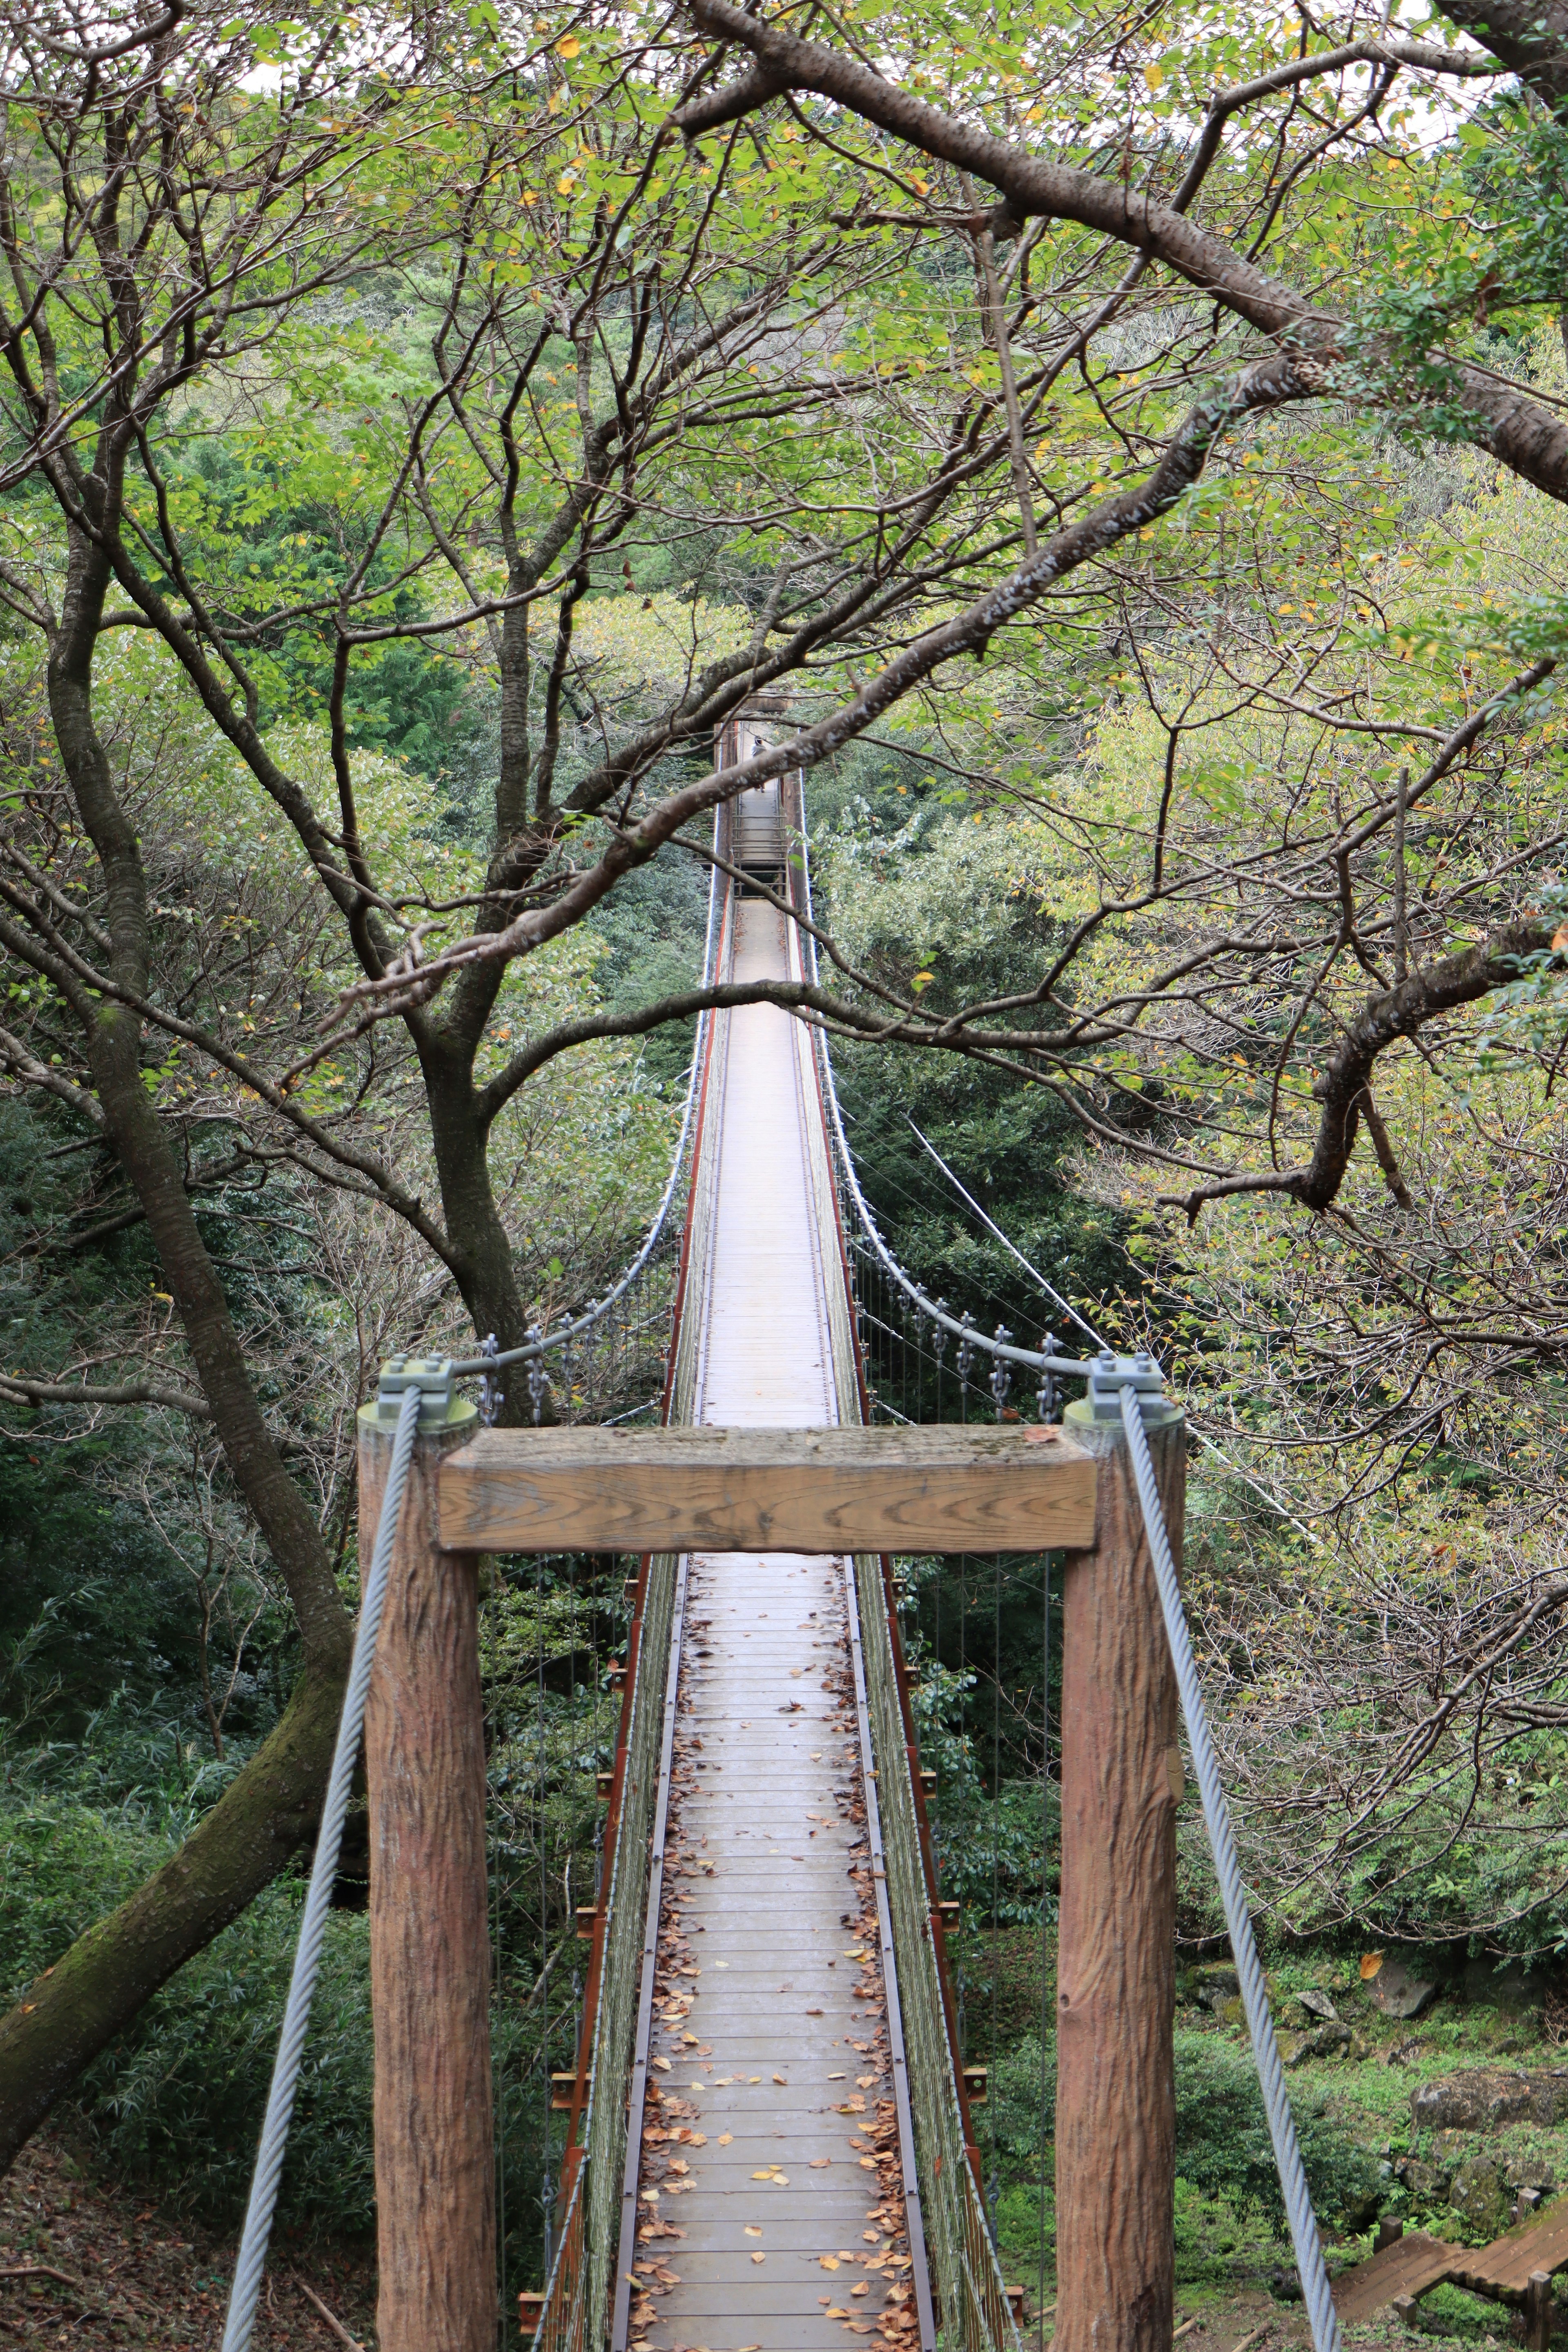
(431, 1375)
(1108, 1375)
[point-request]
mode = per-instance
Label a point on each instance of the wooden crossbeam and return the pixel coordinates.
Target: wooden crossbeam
(1014, 1487)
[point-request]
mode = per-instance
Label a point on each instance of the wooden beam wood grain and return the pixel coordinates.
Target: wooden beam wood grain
(1017, 1488)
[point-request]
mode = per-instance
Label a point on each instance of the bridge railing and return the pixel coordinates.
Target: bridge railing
(976, 2312)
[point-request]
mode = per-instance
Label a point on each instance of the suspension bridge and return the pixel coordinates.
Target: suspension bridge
(769, 2134)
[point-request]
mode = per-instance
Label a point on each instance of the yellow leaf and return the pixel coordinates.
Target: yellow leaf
(761, 2176)
(1153, 76)
(725, 2137)
(1370, 1964)
(569, 47)
(779, 2078)
(759, 2258)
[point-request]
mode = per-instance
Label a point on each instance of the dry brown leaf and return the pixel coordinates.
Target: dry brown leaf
(781, 2079)
(1370, 1964)
(759, 2258)
(828, 2262)
(752, 2229)
(820, 2163)
(663, 2065)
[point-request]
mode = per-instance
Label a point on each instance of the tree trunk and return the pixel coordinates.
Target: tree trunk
(1116, 1954)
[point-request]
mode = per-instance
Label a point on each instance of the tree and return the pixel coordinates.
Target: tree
(354, 357)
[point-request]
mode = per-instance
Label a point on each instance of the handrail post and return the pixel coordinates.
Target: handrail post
(1115, 1946)
(429, 1943)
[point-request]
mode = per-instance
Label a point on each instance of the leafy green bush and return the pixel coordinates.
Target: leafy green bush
(176, 2104)
(1223, 2145)
(1223, 2148)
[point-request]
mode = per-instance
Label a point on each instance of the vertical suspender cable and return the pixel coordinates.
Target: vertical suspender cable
(1304, 2236)
(246, 2291)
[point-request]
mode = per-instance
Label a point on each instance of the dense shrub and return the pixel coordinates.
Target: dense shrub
(1223, 2148)
(176, 2104)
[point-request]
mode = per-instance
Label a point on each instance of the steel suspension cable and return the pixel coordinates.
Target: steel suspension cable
(251, 2263)
(1310, 2263)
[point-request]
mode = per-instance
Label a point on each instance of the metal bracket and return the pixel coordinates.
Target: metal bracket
(431, 1375)
(1108, 1375)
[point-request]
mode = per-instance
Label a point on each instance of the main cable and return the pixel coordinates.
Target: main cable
(1310, 2263)
(245, 2292)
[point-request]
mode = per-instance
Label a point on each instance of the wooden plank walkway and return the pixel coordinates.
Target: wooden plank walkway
(1415, 2263)
(770, 2189)
(1411, 2266)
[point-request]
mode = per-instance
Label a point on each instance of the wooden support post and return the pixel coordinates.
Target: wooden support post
(1538, 2312)
(1116, 1964)
(429, 1946)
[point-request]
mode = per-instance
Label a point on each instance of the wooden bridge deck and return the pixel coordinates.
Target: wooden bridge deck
(770, 2194)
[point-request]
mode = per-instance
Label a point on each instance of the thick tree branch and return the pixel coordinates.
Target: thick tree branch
(1527, 438)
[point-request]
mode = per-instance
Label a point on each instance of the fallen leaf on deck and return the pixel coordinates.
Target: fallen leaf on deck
(725, 2137)
(759, 2258)
(820, 2163)
(663, 2065)
(752, 2229)
(782, 2079)
(828, 2262)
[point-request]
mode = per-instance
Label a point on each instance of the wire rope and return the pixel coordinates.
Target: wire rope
(1303, 2224)
(251, 2261)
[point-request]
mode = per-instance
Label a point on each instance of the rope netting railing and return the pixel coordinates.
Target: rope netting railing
(975, 2310)
(577, 2292)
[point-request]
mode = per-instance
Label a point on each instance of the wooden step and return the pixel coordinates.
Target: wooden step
(1409, 2267)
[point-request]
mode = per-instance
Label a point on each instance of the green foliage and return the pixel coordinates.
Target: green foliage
(1223, 2146)
(177, 2102)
